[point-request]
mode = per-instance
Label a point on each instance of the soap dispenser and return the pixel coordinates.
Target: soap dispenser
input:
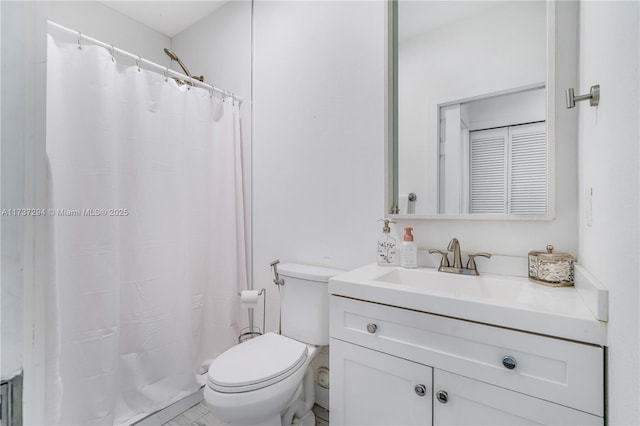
(387, 246)
(408, 250)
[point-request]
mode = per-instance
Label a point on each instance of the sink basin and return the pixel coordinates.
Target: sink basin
(477, 287)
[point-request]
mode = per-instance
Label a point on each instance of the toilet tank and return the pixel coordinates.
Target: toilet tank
(304, 302)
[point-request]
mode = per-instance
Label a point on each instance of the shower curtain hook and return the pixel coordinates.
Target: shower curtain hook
(79, 40)
(211, 92)
(166, 75)
(138, 62)
(190, 83)
(113, 53)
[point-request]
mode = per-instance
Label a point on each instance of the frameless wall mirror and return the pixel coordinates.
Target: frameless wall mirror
(472, 109)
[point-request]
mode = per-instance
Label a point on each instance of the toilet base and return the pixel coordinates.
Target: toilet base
(273, 421)
(308, 420)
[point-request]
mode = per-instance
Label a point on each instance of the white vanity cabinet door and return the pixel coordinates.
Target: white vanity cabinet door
(556, 370)
(470, 402)
(372, 388)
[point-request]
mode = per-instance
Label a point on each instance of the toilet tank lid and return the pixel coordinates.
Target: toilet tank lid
(307, 272)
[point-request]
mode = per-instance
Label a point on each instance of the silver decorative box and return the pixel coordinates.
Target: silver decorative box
(549, 268)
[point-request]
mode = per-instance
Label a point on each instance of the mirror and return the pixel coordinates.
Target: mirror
(471, 109)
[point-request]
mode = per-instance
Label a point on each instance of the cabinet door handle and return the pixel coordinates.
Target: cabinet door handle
(509, 362)
(442, 396)
(372, 328)
(421, 390)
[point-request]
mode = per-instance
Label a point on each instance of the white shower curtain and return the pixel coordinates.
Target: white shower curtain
(148, 235)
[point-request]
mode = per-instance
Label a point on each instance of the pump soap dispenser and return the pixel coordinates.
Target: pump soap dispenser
(387, 246)
(408, 250)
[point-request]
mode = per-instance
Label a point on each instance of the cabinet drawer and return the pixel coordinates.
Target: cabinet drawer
(559, 371)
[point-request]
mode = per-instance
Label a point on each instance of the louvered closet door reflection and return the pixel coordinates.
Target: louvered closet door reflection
(489, 170)
(528, 171)
(509, 170)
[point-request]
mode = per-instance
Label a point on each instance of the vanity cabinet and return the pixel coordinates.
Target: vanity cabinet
(398, 366)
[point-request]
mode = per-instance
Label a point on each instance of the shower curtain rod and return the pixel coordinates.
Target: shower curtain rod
(140, 61)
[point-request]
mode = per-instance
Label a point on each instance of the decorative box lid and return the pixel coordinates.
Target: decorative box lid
(550, 255)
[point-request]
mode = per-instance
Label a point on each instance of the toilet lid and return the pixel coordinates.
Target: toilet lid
(256, 363)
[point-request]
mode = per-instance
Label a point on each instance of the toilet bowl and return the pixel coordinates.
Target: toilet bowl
(267, 380)
(256, 381)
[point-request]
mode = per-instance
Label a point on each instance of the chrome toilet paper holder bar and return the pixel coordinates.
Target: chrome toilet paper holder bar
(250, 332)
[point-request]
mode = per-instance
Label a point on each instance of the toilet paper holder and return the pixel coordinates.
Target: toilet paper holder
(251, 331)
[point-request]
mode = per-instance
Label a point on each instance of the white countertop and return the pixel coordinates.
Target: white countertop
(504, 301)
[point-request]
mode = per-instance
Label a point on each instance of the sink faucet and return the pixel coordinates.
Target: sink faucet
(454, 246)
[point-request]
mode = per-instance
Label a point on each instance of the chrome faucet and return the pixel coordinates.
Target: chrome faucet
(454, 246)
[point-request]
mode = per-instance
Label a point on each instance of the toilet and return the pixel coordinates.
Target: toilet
(267, 380)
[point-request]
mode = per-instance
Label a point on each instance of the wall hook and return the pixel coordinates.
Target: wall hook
(593, 96)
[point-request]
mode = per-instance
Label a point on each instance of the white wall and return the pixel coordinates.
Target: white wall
(609, 137)
(105, 24)
(498, 49)
(219, 46)
(319, 134)
(521, 107)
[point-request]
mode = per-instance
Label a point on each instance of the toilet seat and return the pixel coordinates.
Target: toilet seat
(257, 363)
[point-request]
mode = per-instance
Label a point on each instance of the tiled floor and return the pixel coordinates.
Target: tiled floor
(199, 415)
(322, 416)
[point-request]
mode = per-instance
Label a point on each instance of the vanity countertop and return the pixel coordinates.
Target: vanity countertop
(503, 301)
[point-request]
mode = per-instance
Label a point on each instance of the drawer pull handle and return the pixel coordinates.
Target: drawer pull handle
(509, 362)
(372, 328)
(442, 397)
(421, 390)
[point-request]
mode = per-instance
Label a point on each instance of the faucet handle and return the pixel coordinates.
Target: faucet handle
(444, 262)
(471, 263)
